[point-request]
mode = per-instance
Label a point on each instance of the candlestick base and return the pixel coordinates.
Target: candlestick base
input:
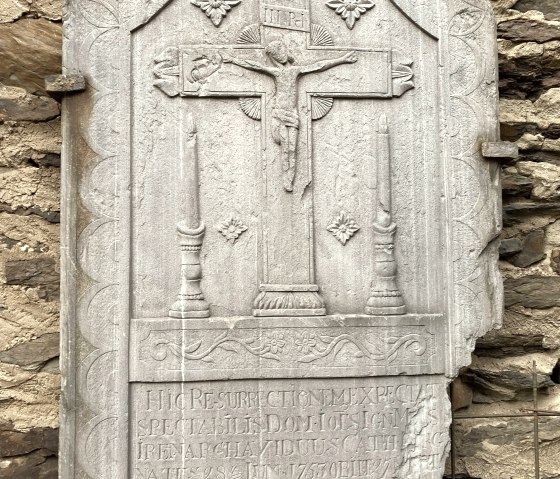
(190, 300)
(289, 300)
(386, 298)
(185, 308)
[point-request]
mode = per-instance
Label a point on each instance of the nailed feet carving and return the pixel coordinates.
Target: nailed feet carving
(232, 229)
(216, 10)
(350, 10)
(343, 227)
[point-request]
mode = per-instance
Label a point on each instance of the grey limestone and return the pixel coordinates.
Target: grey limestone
(280, 235)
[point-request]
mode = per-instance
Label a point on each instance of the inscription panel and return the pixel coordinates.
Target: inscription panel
(292, 429)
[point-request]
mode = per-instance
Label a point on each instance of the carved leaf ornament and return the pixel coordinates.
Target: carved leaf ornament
(216, 10)
(350, 10)
(343, 227)
(232, 229)
(269, 348)
(312, 347)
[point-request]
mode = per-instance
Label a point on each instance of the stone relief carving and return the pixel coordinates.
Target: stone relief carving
(343, 227)
(363, 347)
(250, 35)
(320, 36)
(307, 347)
(320, 107)
(350, 10)
(269, 348)
(188, 71)
(190, 301)
(286, 72)
(403, 77)
(289, 300)
(232, 228)
(216, 10)
(386, 298)
(90, 423)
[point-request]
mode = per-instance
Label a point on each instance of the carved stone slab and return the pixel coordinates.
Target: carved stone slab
(333, 346)
(288, 428)
(279, 234)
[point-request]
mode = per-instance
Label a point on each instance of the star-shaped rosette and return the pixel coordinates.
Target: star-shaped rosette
(343, 227)
(350, 10)
(232, 229)
(216, 10)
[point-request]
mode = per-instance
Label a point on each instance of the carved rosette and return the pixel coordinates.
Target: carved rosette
(216, 10)
(350, 10)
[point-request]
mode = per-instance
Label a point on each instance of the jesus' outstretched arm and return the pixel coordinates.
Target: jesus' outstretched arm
(323, 65)
(247, 64)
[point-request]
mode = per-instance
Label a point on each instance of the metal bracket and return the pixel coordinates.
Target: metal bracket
(503, 151)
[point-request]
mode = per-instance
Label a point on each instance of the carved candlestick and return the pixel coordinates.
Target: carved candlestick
(190, 301)
(386, 298)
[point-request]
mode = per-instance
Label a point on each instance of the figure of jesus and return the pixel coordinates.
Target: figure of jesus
(285, 116)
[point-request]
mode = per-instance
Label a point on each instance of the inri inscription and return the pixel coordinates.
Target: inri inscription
(279, 236)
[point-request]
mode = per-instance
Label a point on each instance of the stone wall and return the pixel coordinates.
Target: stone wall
(499, 380)
(30, 43)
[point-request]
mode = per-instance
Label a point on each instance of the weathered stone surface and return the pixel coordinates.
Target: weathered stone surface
(529, 27)
(17, 104)
(493, 447)
(521, 211)
(65, 83)
(31, 190)
(34, 353)
(516, 185)
(28, 234)
(555, 260)
(528, 69)
(545, 179)
(11, 10)
(532, 250)
(507, 378)
(548, 7)
(24, 144)
(501, 344)
(16, 443)
(500, 150)
(528, 116)
(510, 246)
(29, 50)
(533, 291)
(462, 395)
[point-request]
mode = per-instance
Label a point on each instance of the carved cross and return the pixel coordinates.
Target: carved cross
(286, 84)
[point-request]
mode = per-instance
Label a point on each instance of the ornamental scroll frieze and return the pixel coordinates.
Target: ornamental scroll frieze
(281, 348)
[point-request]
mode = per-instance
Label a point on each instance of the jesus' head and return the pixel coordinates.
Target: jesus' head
(279, 52)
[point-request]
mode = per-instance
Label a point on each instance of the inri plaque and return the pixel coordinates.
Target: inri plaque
(279, 235)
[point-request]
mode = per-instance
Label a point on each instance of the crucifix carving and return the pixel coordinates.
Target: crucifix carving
(286, 84)
(285, 114)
